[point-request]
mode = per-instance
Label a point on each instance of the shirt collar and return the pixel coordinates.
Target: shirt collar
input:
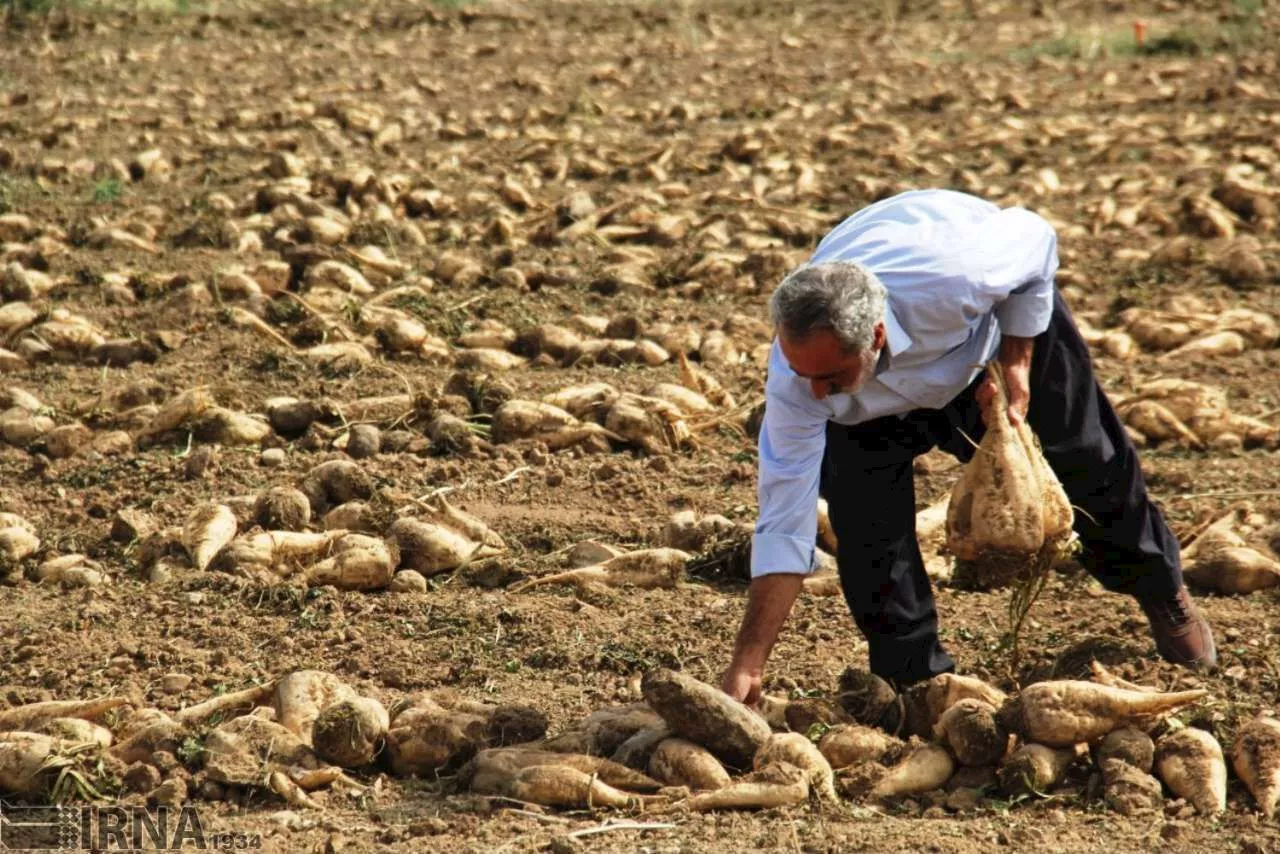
(897, 340)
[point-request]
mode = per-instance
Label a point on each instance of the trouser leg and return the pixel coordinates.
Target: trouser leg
(869, 486)
(1127, 543)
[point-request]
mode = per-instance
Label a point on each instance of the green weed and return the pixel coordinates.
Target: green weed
(107, 190)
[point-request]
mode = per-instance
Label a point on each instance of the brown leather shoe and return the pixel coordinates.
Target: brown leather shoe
(1181, 632)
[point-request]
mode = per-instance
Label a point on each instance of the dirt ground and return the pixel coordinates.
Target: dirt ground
(730, 135)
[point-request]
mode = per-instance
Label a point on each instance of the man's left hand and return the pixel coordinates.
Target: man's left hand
(1015, 359)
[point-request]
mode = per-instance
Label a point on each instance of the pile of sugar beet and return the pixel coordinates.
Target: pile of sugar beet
(308, 737)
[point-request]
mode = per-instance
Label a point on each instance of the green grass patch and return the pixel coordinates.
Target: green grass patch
(1240, 32)
(107, 190)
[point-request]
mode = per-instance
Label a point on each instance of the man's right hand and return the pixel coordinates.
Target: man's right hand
(743, 683)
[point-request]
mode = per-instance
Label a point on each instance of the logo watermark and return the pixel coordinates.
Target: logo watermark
(113, 828)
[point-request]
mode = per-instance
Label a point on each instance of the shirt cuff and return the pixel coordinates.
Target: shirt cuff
(1026, 315)
(772, 554)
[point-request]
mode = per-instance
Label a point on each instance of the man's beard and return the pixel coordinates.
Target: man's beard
(866, 370)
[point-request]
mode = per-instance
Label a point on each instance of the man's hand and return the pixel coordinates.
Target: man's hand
(1015, 359)
(743, 683)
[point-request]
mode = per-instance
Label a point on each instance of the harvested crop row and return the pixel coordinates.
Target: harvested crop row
(708, 751)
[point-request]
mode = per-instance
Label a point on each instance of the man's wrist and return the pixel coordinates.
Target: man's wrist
(1016, 351)
(750, 659)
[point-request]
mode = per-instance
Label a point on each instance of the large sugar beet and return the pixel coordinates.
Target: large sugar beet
(706, 716)
(1255, 756)
(1008, 505)
(1191, 764)
(1061, 713)
(556, 779)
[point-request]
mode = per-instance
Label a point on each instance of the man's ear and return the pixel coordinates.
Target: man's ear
(881, 336)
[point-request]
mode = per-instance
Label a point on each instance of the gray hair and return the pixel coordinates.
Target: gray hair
(839, 296)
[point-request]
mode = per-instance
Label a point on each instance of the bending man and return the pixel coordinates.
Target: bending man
(879, 344)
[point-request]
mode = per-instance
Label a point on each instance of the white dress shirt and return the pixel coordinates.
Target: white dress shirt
(959, 272)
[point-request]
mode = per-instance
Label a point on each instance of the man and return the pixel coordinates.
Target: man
(880, 342)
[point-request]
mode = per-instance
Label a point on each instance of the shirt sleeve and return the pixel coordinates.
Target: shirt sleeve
(793, 439)
(1018, 257)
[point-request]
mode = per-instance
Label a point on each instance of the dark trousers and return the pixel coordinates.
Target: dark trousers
(867, 479)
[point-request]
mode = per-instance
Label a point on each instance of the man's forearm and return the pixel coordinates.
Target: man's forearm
(769, 602)
(1015, 358)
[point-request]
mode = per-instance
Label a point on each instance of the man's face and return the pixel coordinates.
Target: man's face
(829, 368)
